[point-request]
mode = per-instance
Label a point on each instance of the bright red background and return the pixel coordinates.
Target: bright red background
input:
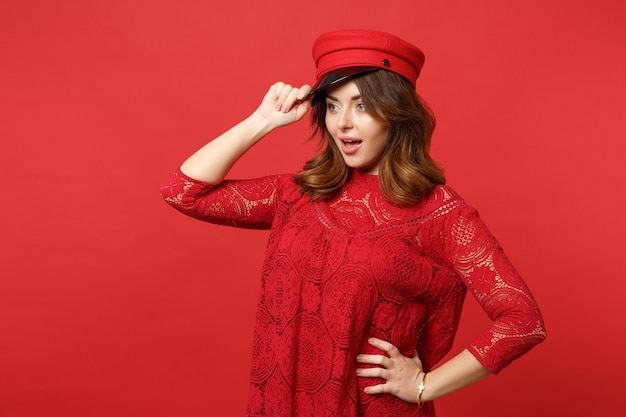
(113, 304)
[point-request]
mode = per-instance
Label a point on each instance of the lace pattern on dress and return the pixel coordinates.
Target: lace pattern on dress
(338, 271)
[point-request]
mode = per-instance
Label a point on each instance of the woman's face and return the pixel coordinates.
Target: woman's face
(360, 138)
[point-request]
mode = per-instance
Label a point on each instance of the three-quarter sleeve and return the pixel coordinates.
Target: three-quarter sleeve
(239, 203)
(476, 257)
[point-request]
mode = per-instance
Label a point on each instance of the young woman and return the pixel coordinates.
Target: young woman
(370, 254)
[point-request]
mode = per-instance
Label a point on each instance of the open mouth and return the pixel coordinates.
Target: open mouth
(350, 146)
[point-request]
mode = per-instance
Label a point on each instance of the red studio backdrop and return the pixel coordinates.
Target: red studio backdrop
(113, 304)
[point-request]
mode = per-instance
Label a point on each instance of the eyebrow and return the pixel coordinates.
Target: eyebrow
(353, 98)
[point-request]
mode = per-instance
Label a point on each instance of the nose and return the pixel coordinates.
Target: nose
(344, 121)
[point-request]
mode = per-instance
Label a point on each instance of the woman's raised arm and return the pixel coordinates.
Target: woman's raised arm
(282, 105)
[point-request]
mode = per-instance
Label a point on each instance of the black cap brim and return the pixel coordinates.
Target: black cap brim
(339, 76)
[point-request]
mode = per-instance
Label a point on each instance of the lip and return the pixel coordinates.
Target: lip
(349, 145)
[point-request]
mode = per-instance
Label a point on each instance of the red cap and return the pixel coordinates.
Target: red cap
(343, 54)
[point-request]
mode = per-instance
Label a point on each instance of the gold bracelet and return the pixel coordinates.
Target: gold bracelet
(420, 389)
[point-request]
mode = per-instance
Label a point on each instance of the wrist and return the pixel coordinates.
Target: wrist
(421, 387)
(259, 125)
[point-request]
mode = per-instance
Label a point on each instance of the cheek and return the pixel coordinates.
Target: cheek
(376, 127)
(328, 123)
(382, 137)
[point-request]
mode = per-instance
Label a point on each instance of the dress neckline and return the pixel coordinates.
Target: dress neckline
(357, 176)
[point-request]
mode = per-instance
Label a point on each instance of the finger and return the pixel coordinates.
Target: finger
(277, 88)
(304, 93)
(374, 360)
(372, 373)
(304, 106)
(290, 100)
(282, 92)
(377, 389)
(298, 97)
(385, 346)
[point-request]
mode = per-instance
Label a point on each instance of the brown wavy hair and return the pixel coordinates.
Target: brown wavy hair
(406, 173)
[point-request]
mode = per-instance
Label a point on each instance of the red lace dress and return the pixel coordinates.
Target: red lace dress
(338, 272)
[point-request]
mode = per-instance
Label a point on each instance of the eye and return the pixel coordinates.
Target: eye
(361, 107)
(331, 107)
